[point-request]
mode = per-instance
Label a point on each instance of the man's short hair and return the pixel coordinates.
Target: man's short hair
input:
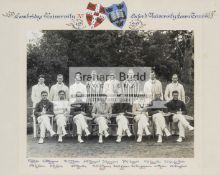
(175, 75)
(78, 73)
(60, 75)
(175, 92)
(61, 91)
(41, 76)
(44, 92)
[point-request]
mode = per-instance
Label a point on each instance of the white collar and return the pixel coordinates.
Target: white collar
(175, 83)
(80, 83)
(41, 84)
(60, 84)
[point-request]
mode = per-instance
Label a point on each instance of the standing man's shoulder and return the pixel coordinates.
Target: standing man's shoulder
(181, 85)
(169, 84)
(53, 86)
(34, 86)
(158, 81)
(72, 85)
(65, 86)
(146, 83)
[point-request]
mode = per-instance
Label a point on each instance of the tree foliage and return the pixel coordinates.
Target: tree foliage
(167, 51)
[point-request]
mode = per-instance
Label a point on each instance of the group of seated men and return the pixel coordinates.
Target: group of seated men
(103, 112)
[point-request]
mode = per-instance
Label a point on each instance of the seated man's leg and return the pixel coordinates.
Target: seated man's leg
(84, 124)
(78, 128)
(125, 122)
(44, 122)
(145, 123)
(102, 123)
(142, 121)
(61, 123)
(140, 128)
(160, 124)
(122, 122)
(119, 131)
(182, 124)
(42, 130)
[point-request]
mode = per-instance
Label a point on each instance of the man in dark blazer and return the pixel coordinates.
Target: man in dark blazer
(42, 111)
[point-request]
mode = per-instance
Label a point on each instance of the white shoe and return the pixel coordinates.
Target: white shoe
(191, 128)
(147, 132)
(60, 139)
(167, 132)
(159, 139)
(64, 133)
(100, 139)
(139, 139)
(87, 132)
(118, 139)
(41, 141)
(106, 134)
(129, 133)
(179, 139)
(80, 139)
(52, 133)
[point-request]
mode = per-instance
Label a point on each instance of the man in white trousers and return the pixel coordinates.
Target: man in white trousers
(141, 116)
(177, 110)
(54, 96)
(101, 114)
(42, 111)
(61, 111)
(80, 112)
(156, 111)
(122, 109)
(174, 86)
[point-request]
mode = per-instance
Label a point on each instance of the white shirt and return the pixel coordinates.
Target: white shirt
(153, 87)
(174, 87)
(61, 107)
(77, 87)
(111, 87)
(36, 92)
(55, 89)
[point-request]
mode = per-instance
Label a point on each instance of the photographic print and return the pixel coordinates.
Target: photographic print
(110, 94)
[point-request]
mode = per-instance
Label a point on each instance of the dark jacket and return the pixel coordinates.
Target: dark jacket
(121, 108)
(176, 105)
(78, 107)
(43, 104)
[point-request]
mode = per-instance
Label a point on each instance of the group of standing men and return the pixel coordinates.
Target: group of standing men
(111, 102)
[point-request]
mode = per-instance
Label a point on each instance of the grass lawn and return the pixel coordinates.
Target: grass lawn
(128, 148)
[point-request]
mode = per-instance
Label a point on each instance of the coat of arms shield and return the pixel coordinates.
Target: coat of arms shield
(95, 14)
(117, 14)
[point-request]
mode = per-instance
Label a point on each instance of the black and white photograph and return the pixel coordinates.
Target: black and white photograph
(110, 94)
